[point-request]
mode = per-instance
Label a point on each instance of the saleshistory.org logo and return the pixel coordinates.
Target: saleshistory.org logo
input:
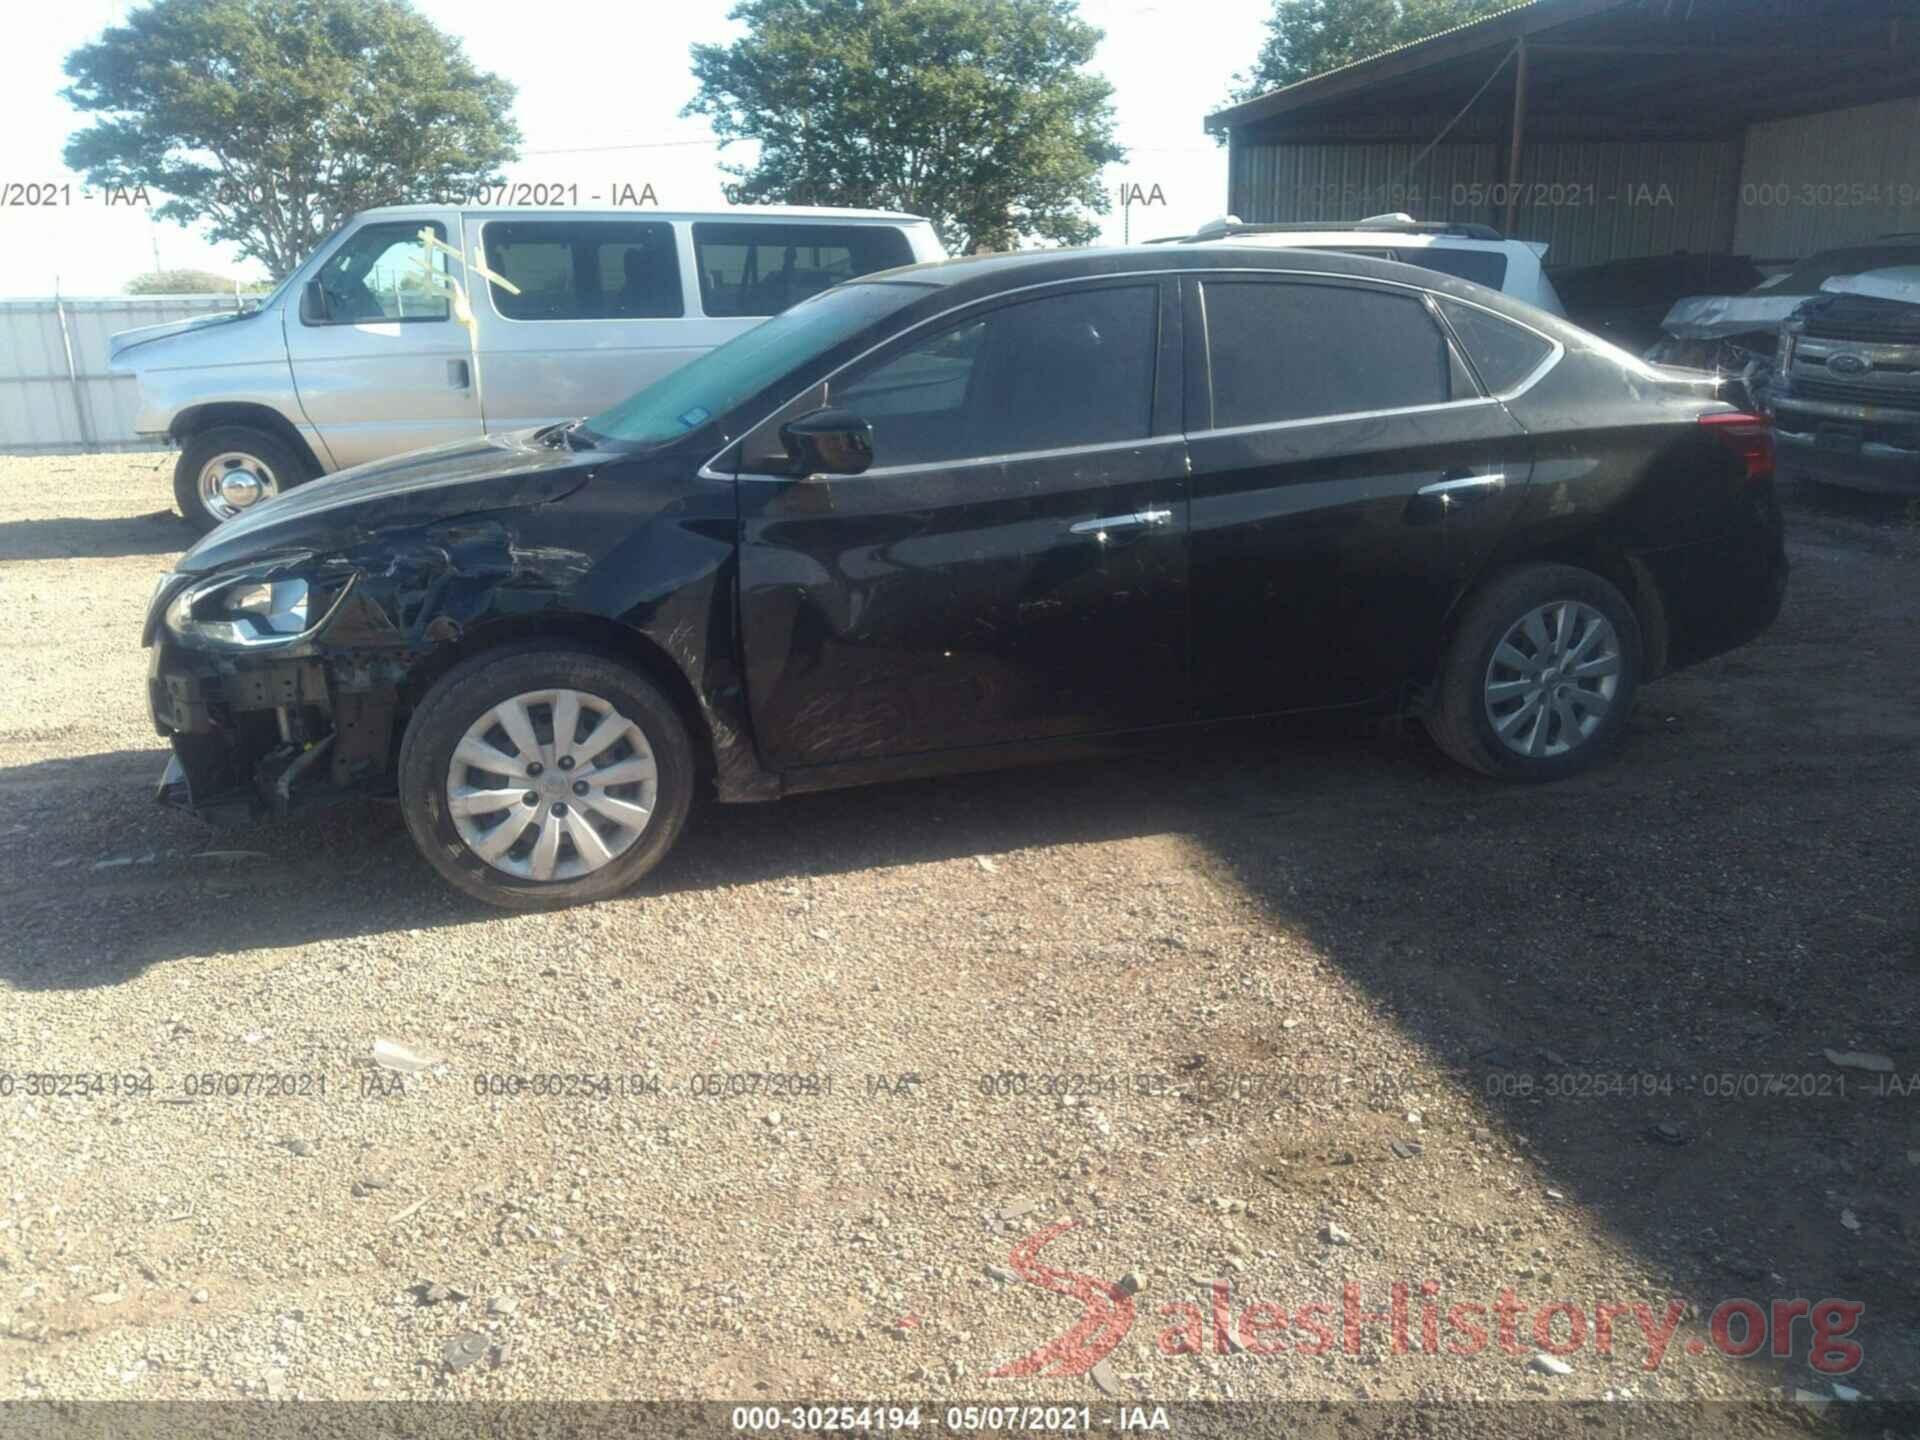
(1106, 1314)
(1737, 1328)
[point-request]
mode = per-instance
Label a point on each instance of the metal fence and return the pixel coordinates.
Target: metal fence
(55, 392)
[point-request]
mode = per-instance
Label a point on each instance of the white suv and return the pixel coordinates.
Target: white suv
(1471, 252)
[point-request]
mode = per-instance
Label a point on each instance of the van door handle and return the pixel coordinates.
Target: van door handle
(459, 375)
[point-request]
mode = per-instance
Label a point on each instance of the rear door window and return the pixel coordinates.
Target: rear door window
(585, 269)
(1300, 351)
(761, 269)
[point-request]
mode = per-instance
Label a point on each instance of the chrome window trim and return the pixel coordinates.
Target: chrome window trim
(1262, 426)
(1009, 457)
(1554, 356)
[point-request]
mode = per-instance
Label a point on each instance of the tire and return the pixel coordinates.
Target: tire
(258, 452)
(479, 691)
(1481, 692)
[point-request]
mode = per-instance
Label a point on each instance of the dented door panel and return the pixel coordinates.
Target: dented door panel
(888, 614)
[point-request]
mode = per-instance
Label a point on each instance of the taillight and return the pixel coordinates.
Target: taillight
(1748, 436)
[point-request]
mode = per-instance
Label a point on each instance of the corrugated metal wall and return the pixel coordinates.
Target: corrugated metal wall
(1817, 181)
(47, 405)
(1591, 201)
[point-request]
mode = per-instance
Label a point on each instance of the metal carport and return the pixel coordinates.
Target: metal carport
(1610, 128)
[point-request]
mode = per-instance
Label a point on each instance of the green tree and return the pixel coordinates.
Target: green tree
(188, 282)
(1308, 37)
(273, 120)
(981, 115)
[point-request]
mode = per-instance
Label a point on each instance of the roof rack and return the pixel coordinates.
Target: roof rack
(1396, 224)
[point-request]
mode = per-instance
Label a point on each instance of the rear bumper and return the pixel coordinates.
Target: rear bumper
(1721, 593)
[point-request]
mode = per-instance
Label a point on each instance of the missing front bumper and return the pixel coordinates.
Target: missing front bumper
(256, 740)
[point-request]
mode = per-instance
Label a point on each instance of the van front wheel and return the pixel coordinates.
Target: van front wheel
(226, 471)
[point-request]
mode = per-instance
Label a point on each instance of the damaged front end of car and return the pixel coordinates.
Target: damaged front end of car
(282, 682)
(279, 683)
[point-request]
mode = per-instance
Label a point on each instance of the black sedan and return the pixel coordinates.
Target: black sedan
(971, 514)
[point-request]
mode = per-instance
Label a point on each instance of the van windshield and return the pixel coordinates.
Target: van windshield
(724, 377)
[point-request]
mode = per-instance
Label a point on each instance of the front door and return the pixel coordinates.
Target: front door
(379, 362)
(1013, 566)
(1349, 479)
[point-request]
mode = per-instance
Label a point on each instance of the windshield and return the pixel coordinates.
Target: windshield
(722, 378)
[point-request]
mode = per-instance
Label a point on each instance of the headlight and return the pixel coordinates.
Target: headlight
(253, 610)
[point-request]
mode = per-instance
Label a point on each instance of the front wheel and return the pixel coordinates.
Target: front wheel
(533, 778)
(226, 471)
(1540, 676)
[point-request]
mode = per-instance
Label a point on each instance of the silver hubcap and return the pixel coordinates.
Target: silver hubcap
(1553, 678)
(551, 785)
(235, 481)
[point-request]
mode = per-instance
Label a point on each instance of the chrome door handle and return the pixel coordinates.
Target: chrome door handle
(1121, 522)
(1464, 482)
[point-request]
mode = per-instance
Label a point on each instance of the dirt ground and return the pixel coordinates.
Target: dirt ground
(1335, 1014)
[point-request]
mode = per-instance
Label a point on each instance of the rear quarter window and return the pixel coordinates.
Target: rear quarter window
(1504, 354)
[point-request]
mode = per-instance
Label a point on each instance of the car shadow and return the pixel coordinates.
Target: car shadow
(161, 533)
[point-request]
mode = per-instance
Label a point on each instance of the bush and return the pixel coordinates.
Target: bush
(188, 282)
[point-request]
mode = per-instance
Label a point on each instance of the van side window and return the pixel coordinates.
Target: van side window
(1287, 351)
(585, 269)
(376, 277)
(753, 269)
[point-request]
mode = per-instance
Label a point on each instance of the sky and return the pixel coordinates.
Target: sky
(601, 85)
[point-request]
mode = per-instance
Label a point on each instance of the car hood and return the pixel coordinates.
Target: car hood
(492, 472)
(1719, 317)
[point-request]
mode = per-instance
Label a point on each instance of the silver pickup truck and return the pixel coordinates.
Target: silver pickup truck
(386, 341)
(1846, 398)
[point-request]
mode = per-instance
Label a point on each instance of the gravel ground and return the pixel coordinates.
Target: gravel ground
(1350, 1017)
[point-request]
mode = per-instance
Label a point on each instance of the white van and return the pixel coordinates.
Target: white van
(359, 354)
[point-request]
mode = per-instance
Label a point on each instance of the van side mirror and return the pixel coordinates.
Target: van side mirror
(828, 442)
(313, 303)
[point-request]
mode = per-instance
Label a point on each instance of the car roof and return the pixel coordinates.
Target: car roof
(746, 213)
(1011, 269)
(976, 276)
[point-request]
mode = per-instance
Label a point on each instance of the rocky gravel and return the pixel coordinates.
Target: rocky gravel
(848, 1097)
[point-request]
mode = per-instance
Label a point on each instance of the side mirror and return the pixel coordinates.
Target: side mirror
(313, 302)
(828, 442)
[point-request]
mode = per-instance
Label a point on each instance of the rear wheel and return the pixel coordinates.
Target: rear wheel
(1540, 676)
(226, 471)
(534, 778)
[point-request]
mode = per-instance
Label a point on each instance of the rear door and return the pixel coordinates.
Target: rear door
(1349, 478)
(1013, 566)
(380, 365)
